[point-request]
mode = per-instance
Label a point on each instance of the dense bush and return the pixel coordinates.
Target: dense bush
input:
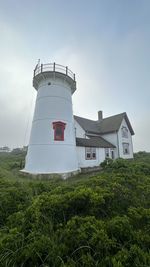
(100, 219)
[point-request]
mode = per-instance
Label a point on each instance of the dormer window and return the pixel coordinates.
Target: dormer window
(124, 132)
(59, 128)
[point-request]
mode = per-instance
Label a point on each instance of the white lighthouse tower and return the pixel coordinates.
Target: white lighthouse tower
(52, 147)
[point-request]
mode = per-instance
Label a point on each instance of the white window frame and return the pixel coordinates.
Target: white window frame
(126, 148)
(124, 131)
(107, 153)
(90, 151)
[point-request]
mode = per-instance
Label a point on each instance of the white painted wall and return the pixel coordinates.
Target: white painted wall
(53, 103)
(125, 140)
(84, 163)
(112, 138)
(79, 130)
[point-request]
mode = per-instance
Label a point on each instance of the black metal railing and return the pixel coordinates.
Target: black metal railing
(55, 68)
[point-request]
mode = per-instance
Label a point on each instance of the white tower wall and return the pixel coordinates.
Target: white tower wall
(53, 104)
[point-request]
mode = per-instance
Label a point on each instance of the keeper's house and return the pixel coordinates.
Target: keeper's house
(107, 137)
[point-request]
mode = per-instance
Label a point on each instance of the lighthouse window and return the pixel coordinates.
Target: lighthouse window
(59, 128)
(59, 132)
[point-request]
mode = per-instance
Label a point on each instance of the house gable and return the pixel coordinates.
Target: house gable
(125, 141)
(104, 126)
(89, 126)
(113, 123)
(79, 131)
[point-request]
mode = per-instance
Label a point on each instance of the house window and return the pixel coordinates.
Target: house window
(106, 152)
(90, 153)
(124, 132)
(59, 128)
(126, 150)
(112, 153)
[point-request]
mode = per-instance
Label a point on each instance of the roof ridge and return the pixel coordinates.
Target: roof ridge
(123, 113)
(85, 118)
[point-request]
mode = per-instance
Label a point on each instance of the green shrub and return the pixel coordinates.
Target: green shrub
(89, 220)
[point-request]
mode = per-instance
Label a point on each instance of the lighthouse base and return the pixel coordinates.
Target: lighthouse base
(46, 176)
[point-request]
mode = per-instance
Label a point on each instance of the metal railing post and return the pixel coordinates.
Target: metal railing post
(54, 67)
(66, 70)
(41, 67)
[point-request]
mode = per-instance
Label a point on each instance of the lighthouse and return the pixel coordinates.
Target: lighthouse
(52, 146)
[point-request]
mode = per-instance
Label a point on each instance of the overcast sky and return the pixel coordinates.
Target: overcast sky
(105, 42)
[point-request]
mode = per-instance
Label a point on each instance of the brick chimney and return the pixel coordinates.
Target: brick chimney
(100, 115)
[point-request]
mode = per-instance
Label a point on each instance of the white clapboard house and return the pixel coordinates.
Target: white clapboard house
(107, 137)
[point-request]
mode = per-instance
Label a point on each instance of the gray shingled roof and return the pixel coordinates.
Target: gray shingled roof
(88, 125)
(107, 125)
(94, 142)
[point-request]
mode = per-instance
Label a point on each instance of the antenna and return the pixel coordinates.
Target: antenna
(38, 64)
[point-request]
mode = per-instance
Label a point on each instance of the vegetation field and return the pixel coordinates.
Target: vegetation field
(91, 220)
